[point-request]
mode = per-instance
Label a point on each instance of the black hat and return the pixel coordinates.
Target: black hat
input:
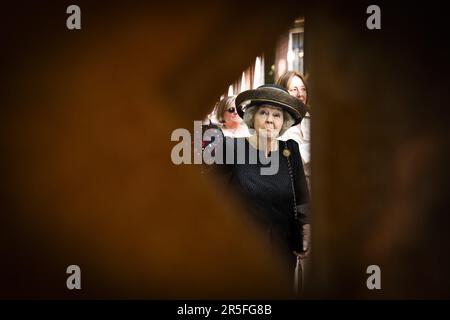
(271, 94)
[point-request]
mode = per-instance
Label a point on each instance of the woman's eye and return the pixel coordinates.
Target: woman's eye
(277, 115)
(263, 112)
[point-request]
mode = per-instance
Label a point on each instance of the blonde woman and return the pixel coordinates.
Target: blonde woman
(230, 122)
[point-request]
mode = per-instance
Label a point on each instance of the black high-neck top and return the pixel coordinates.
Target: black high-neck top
(269, 199)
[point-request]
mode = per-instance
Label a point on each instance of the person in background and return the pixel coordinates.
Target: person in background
(230, 122)
(294, 82)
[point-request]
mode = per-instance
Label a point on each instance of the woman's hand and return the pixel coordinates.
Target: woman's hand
(306, 242)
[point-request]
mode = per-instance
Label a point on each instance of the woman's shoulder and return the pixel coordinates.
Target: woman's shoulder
(292, 143)
(293, 146)
(241, 132)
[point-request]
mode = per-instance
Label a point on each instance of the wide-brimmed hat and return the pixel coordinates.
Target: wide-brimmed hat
(274, 95)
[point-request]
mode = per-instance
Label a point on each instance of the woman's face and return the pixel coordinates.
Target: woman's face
(268, 121)
(230, 116)
(297, 89)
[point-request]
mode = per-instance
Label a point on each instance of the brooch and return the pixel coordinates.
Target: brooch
(286, 152)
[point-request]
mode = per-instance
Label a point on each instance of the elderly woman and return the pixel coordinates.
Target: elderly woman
(277, 200)
(230, 122)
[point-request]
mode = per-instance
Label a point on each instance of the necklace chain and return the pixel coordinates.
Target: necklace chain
(291, 175)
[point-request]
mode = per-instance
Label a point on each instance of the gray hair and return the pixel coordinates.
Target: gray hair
(249, 117)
